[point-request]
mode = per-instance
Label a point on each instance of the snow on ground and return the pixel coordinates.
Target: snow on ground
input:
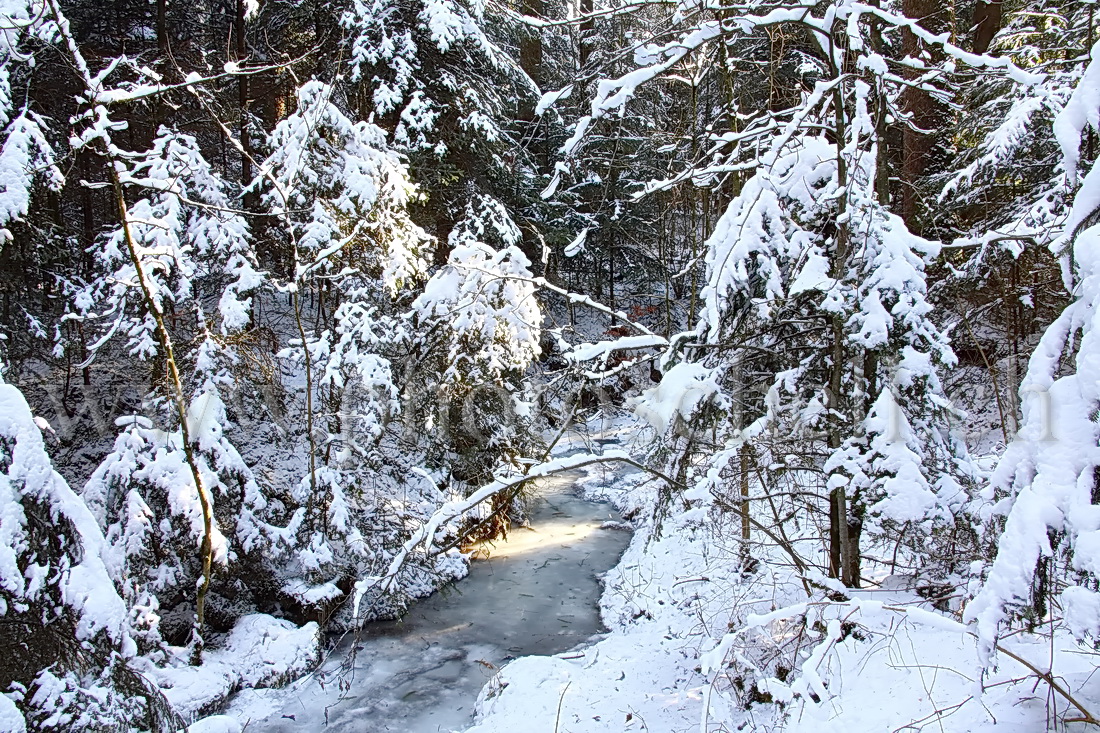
(906, 675)
(261, 651)
(881, 662)
(216, 724)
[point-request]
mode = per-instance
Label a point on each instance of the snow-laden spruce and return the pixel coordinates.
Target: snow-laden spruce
(191, 245)
(864, 380)
(487, 302)
(401, 46)
(66, 632)
(26, 157)
(434, 73)
(343, 190)
(144, 498)
(477, 325)
(177, 246)
(471, 328)
(1044, 485)
(343, 195)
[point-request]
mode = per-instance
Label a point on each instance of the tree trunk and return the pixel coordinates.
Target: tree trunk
(925, 113)
(746, 525)
(240, 52)
(852, 565)
(531, 61)
(839, 541)
(987, 21)
(588, 31)
(530, 45)
(162, 28)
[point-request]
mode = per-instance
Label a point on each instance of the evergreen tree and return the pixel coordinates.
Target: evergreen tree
(67, 632)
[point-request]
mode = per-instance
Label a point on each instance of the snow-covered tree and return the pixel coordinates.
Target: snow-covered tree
(26, 158)
(28, 166)
(66, 631)
(178, 243)
(436, 75)
(149, 278)
(1044, 488)
(144, 498)
(191, 246)
(478, 327)
(815, 298)
(1004, 197)
(343, 196)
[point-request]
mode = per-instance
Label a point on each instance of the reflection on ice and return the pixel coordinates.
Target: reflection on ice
(532, 539)
(536, 593)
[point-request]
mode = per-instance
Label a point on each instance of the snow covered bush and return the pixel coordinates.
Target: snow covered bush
(66, 632)
(344, 192)
(145, 500)
(176, 247)
(191, 248)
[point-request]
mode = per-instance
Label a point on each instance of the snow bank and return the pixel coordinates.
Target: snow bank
(907, 670)
(216, 724)
(261, 651)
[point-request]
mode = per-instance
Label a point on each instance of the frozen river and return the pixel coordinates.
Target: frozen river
(537, 593)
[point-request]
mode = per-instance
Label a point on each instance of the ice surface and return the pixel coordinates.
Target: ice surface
(537, 593)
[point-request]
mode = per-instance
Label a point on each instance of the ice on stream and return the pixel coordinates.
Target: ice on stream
(537, 593)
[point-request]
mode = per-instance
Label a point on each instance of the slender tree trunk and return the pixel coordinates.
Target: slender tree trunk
(587, 31)
(838, 501)
(530, 48)
(311, 501)
(164, 342)
(531, 61)
(240, 53)
(162, 28)
(882, 126)
(839, 541)
(179, 401)
(746, 468)
(1090, 139)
